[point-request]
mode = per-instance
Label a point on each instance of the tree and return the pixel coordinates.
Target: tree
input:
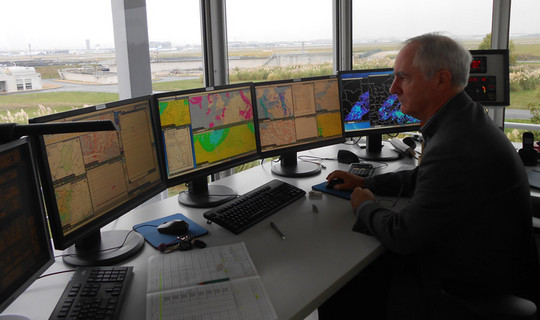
(486, 45)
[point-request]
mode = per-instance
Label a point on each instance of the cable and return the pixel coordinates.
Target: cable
(55, 273)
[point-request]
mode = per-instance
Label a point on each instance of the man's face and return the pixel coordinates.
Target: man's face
(414, 91)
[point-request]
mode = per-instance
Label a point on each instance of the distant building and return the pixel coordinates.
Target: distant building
(13, 79)
(94, 75)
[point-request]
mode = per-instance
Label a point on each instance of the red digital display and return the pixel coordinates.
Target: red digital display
(478, 65)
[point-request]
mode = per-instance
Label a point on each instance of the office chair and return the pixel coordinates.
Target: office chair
(494, 305)
(499, 305)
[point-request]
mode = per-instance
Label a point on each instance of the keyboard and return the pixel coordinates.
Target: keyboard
(243, 212)
(94, 293)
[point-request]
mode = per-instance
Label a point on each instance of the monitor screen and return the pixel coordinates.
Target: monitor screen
(91, 178)
(204, 131)
(25, 244)
(369, 109)
(296, 115)
(489, 78)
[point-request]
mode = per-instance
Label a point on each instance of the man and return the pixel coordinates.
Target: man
(467, 224)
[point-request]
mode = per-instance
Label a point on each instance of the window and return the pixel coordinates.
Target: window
(524, 56)
(67, 36)
(379, 27)
(279, 39)
(174, 33)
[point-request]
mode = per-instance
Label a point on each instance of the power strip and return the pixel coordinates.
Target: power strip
(402, 147)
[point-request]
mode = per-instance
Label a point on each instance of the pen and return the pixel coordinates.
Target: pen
(277, 230)
(214, 281)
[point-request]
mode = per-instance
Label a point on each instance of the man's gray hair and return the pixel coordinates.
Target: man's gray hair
(437, 52)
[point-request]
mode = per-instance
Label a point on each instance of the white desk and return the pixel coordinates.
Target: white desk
(320, 253)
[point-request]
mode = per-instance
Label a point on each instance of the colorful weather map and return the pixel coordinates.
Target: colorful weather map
(368, 99)
(220, 109)
(204, 128)
(274, 102)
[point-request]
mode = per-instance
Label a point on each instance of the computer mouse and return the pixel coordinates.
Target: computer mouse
(174, 227)
(346, 156)
(330, 184)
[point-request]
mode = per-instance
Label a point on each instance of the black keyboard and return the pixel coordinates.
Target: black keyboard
(94, 293)
(248, 209)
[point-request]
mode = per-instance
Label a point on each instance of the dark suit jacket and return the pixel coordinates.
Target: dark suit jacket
(468, 219)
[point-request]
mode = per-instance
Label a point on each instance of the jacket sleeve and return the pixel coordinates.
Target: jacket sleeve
(430, 214)
(399, 183)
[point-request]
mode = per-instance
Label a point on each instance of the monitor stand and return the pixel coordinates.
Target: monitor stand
(375, 152)
(290, 167)
(104, 248)
(202, 195)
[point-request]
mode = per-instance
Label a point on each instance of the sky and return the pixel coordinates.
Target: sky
(67, 24)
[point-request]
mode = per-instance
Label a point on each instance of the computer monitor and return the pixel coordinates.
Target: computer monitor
(489, 78)
(92, 178)
(369, 109)
(296, 115)
(205, 131)
(25, 243)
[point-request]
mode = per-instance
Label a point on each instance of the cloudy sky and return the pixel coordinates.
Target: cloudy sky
(67, 24)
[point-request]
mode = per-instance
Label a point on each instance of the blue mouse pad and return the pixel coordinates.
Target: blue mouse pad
(346, 194)
(149, 230)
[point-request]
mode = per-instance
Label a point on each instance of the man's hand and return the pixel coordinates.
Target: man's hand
(360, 195)
(350, 181)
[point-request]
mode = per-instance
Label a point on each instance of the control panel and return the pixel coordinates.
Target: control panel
(489, 82)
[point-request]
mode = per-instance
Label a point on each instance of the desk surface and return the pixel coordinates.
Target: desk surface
(320, 253)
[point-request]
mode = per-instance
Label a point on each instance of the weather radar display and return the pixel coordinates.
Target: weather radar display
(367, 101)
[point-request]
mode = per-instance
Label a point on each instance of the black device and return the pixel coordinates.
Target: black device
(347, 156)
(362, 169)
(94, 293)
(174, 227)
(332, 183)
(527, 153)
(204, 131)
(25, 245)
(295, 115)
(13, 131)
(91, 178)
(252, 207)
(489, 77)
(370, 110)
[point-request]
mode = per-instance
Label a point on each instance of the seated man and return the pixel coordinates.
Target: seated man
(468, 221)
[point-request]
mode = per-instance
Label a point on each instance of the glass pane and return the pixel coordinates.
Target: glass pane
(174, 32)
(524, 66)
(379, 27)
(58, 56)
(279, 39)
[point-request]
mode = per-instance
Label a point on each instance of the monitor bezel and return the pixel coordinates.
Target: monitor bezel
(202, 173)
(21, 286)
(378, 130)
(64, 241)
(303, 146)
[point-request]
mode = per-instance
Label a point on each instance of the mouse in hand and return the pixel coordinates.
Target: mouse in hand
(330, 184)
(174, 227)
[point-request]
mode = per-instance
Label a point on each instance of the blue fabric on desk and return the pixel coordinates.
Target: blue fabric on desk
(149, 230)
(346, 194)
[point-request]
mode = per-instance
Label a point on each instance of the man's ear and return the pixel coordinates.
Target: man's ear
(443, 79)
